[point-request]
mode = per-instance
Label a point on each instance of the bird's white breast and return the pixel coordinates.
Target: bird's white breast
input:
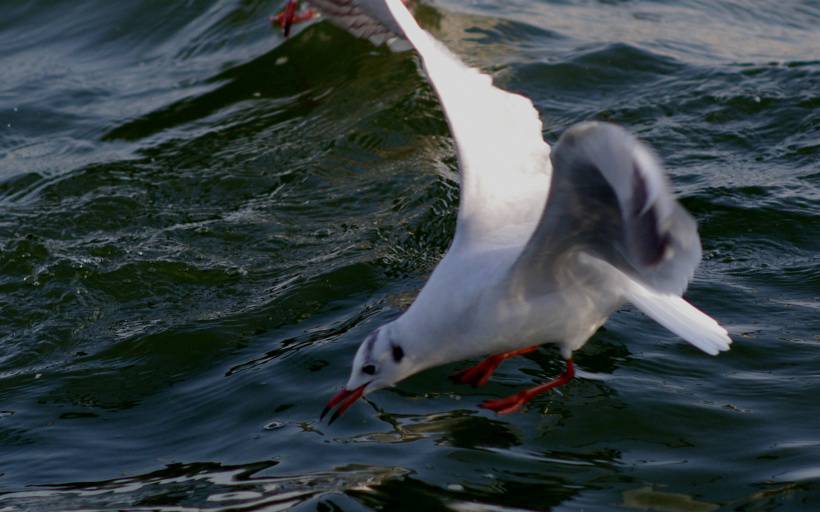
(468, 308)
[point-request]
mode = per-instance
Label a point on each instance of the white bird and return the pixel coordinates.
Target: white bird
(546, 247)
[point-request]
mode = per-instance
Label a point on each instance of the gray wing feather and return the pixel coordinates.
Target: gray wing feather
(368, 19)
(610, 198)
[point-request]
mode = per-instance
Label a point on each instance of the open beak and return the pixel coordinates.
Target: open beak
(345, 397)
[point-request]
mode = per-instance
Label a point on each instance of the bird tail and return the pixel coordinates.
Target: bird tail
(680, 317)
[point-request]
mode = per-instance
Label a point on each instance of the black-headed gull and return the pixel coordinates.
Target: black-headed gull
(546, 247)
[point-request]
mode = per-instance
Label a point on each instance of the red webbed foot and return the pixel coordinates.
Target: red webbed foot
(506, 405)
(515, 402)
(480, 374)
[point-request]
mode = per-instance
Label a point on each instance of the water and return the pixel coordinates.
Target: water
(201, 221)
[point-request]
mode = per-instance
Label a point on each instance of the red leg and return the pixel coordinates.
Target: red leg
(290, 16)
(479, 374)
(290, 13)
(286, 17)
(516, 401)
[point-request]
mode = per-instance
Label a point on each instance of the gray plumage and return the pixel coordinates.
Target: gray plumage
(610, 198)
(368, 19)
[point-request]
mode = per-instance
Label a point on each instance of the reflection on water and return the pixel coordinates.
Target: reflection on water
(203, 486)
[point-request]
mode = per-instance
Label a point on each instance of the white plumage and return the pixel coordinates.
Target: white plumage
(540, 255)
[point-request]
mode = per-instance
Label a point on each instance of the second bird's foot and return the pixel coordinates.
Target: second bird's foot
(515, 402)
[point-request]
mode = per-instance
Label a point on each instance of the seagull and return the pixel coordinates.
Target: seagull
(548, 242)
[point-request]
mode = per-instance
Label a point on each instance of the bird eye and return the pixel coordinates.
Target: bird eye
(398, 353)
(369, 369)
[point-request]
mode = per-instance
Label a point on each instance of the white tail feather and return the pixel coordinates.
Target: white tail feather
(680, 317)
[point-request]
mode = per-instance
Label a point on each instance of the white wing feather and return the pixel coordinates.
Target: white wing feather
(505, 166)
(680, 317)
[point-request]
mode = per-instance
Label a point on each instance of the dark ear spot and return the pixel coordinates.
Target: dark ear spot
(398, 353)
(369, 369)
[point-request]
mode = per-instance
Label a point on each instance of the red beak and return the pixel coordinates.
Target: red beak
(346, 398)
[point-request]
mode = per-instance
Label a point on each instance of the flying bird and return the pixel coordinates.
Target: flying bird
(548, 243)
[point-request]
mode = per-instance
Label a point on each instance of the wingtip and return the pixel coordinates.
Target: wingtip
(719, 342)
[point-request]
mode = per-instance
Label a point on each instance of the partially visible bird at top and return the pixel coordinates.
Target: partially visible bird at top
(548, 243)
(363, 18)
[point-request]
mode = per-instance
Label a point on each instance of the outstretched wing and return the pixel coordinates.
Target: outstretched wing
(504, 160)
(610, 199)
(368, 19)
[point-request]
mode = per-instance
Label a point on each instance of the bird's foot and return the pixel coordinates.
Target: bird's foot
(479, 374)
(515, 402)
(290, 15)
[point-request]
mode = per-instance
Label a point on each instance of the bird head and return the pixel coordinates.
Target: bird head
(381, 361)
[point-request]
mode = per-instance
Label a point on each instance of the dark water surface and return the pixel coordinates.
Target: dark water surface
(200, 221)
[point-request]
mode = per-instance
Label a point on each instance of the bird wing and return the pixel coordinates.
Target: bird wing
(503, 158)
(368, 19)
(610, 199)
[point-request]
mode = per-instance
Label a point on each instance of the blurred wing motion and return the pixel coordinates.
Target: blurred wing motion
(610, 200)
(368, 19)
